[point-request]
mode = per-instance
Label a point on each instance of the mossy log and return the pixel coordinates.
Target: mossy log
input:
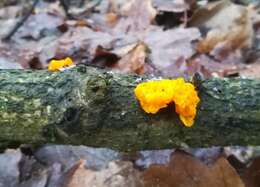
(92, 107)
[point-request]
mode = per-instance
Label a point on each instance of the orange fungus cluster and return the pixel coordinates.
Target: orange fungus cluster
(154, 95)
(58, 65)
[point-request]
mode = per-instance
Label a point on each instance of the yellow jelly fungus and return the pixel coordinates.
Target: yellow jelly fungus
(57, 65)
(154, 95)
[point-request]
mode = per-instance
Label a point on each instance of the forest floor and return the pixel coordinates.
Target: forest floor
(160, 38)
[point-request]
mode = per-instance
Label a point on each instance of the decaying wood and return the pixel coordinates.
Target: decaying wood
(97, 108)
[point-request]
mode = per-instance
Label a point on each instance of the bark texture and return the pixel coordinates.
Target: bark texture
(97, 108)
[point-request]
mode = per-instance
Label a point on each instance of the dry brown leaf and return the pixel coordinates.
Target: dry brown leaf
(252, 174)
(231, 25)
(82, 42)
(137, 15)
(205, 13)
(25, 54)
(117, 174)
(172, 13)
(10, 167)
(134, 61)
(166, 48)
(209, 67)
(173, 5)
(238, 37)
(39, 24)
(226, 174)
(78, 176)
(251, 71)
(186, 171)
(111, 19)
(10, 12)
(169, 46)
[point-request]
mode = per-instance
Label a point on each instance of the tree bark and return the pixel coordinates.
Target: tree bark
(88, 106)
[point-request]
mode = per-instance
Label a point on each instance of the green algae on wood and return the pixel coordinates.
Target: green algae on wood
(88, 106)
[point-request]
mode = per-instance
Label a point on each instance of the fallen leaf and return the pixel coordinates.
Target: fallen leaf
(209, 67)
(243, 154)
(82, 8)
(252, 174)
(117, 174)
(82, 42)
(105, 57)
(95, 158)
(85, 44)
(9, 170)
(185, 170)
(10, 12)
(134, 61)
(251, 71)
(170, 47)
(172, 6)
(111, 19)
(172, 13)
(225, 173)
(40, 25)
(230, 24)
(206, 12)
(207, 155)
(30, 54)
(147, 158)
(136, 16)
(9, 64)
(37, 179)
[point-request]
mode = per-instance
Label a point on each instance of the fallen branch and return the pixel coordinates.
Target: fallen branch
(20, 22)
(27, 15)
(97, 108)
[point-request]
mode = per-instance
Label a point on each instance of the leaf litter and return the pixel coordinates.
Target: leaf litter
(162, 38)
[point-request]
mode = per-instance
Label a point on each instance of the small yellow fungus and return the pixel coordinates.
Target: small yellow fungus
(154, 95)
(58, 65)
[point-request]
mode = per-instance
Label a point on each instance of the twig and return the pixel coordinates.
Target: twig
(23, 20)
(90, 8)
(65, 6)
(20, 23)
